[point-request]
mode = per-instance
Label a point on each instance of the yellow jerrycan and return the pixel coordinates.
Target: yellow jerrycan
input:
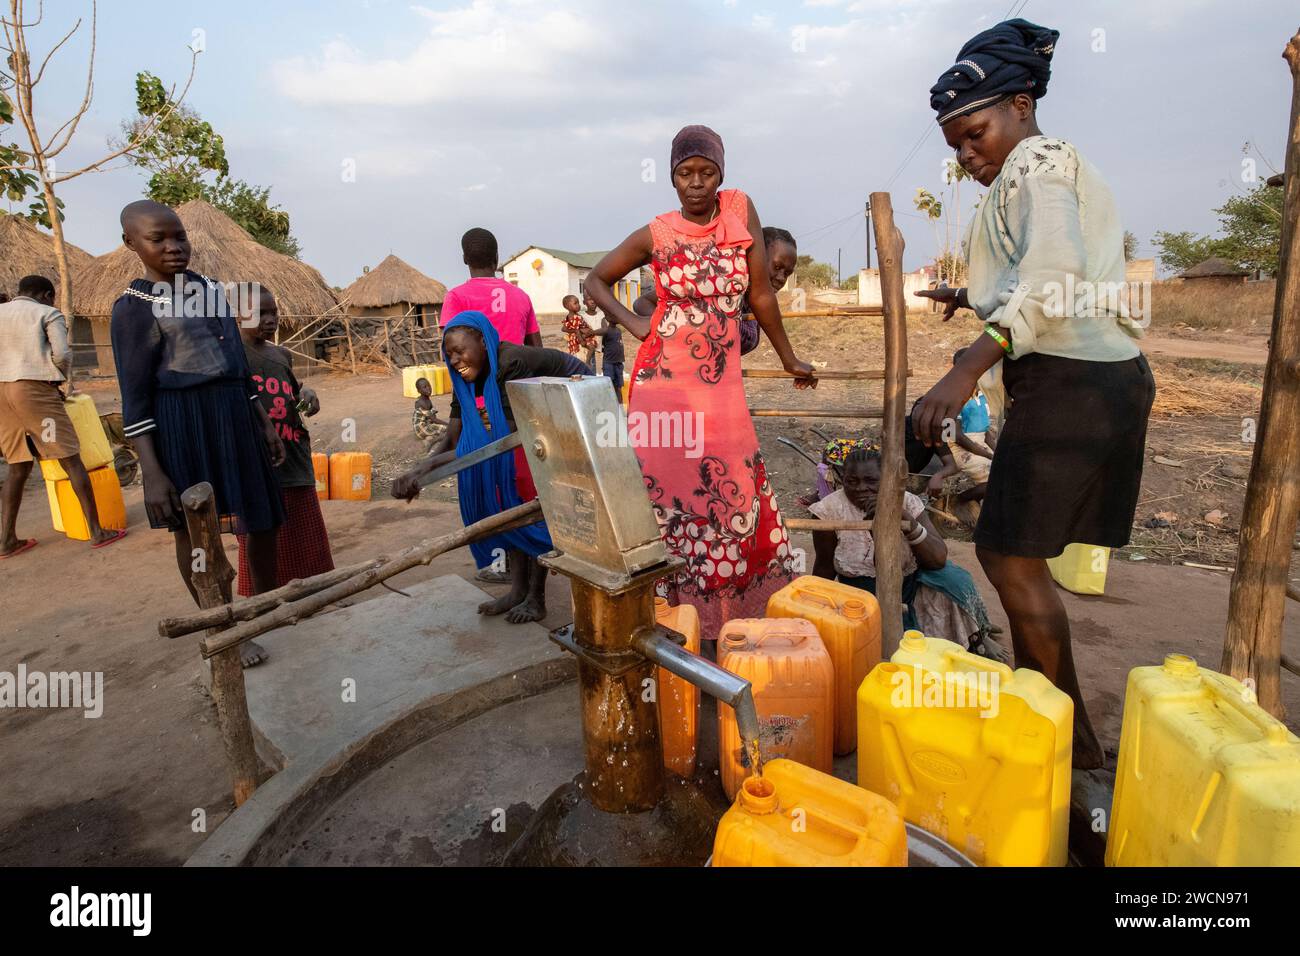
(792, 680)
(96, 452)
(412, 374)
(320, 466)
(848, 621)
(795, 816)
(1081, 568)
(1206, 777)
(108, 502)
(679, 699)
(441, 380)
(970, 750)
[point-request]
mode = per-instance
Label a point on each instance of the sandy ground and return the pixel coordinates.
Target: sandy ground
(126, 788)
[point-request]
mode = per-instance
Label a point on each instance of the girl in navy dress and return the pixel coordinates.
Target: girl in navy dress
(189, 404)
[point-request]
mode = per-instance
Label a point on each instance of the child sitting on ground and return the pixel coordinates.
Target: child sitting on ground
(428, 427)
(482, 365)
(939, 596)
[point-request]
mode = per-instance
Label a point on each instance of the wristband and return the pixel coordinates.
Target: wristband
(999, 338)
(921, 535)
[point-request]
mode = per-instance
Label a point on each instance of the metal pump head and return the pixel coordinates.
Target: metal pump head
(594, 498)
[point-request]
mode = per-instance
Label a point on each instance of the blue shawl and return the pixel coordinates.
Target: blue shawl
(488, 488)
(1013, 57)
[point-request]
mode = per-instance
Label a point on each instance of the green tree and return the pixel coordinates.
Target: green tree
(1179, 251)
(187, 159)
(811, 274)
(1130, 246)
(1251, 227)
(181, 149)
(16, 181)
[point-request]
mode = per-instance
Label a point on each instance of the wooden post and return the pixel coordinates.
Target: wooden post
(893, 467)
(212, 582)
(1253, 648)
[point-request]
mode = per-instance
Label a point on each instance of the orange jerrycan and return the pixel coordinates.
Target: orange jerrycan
(796, 816)
(108, 502)
(679, 699)
(95, 448)
(848, 621)
(350, 476)
(1206, 776)
(320, 466)
(793, 684)
(970, 750)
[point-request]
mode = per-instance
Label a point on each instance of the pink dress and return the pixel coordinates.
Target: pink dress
(689, 422)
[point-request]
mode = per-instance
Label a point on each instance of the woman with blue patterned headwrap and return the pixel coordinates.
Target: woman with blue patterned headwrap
(482, 365)
(1046, 266)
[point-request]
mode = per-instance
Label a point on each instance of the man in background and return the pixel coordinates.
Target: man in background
(34, 361)
(507, 306)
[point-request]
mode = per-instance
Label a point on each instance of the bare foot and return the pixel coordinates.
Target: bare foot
(251, 654)
(500, 605)
(527, 610)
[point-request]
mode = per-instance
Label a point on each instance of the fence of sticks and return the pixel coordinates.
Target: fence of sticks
(352, 343)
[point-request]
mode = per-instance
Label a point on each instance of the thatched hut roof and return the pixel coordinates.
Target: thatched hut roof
(1214, 266)
(222, 250)
(391, 282)
(26, 250)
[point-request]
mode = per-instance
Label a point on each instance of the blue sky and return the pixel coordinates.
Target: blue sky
(536, 118)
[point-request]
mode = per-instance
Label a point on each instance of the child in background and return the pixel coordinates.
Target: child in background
(189, 404)
(611, 350)
(302, 544)
(483, 364)
(578, 334)
(424, 417)
(971, 447)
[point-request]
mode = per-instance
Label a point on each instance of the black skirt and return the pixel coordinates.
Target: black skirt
(212, 433)
(1068, 463)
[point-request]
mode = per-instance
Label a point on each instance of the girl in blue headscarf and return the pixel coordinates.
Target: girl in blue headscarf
(481, 365)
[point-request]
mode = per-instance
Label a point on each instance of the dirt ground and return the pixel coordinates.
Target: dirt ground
(127, 788)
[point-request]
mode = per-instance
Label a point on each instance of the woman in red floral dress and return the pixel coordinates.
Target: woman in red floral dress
(687, 414)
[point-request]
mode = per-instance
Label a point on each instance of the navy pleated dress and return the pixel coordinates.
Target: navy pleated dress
(185, 382)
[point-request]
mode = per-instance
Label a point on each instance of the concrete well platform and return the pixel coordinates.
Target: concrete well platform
(345, 695)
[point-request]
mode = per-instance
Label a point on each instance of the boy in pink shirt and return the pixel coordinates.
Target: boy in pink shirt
(507, 306)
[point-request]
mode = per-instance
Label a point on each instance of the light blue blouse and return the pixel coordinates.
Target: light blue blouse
(1046, 255)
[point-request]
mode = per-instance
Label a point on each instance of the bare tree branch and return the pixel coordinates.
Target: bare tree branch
(145, 133)
(49, 150)
(44, 63)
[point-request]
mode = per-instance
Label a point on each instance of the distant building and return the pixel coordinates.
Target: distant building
(869, 292)
(1215, 272)
(394, 289)
(548, 275)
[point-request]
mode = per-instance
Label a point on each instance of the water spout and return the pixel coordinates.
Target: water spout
(657, 644)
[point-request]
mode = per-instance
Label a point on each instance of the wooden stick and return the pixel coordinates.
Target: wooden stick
(422, 553)
(830, 524)
(853, 375)
(893, 467)
(817, 412)
(249, 608)
(848, 310)
(211, 575)
(1256, 604)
